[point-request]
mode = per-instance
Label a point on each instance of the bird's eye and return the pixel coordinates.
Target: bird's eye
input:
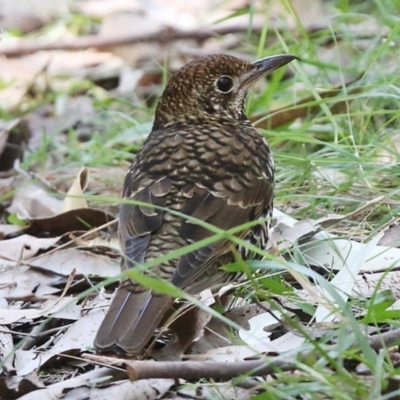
(225, 84)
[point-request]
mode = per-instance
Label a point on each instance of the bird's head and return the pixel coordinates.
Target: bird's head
(216, 85)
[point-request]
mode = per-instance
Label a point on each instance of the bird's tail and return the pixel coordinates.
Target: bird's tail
(131, 321)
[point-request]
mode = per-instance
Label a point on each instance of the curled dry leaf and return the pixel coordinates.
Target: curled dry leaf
(74, 198)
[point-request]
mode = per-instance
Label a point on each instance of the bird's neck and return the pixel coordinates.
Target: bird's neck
(166, 120)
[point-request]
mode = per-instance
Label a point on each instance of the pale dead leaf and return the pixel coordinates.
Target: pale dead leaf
(350, 259)
(49, 307)
(85, 262)
(233, 353)
(367, 284)
(332, 252)
(287, 235)
(74, 199)
(258, 332)
(391, 237)
(242, 314)
(23, 282)
(57, 390)
(288, 341)
(24, 247)
(143, 389)
(78, 337)
(261, 327)
(6, 348)
(32, 201)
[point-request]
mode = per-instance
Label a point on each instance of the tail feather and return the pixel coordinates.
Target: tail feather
(131, 321)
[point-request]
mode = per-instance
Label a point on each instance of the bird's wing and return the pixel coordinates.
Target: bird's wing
(138, 222)
(225, 209)
(135, 311)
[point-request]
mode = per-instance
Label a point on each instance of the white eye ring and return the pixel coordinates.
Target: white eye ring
(224, 84)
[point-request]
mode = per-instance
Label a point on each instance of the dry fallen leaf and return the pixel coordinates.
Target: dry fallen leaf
(86, 263)
(21, 282)
(24, 247)
(32, 201)
(74, 198)
(6, 350)
(82, 219)
(49, 307)
(391, 237)
(14, 386)
(78, 337)
(144, 389)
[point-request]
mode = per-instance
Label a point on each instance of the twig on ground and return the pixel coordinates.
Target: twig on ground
(385, 340)
(194, 369)
(147, 369)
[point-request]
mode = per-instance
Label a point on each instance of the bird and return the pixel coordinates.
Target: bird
(202, 158)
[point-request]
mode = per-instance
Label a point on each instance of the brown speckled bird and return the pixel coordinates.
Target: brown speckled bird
(202, 158)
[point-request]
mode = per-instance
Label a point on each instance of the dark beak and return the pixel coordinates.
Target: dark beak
(264, 66)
